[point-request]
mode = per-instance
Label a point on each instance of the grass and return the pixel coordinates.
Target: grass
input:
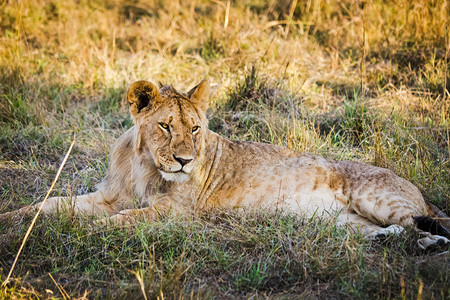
(228, 254)
(361, 81)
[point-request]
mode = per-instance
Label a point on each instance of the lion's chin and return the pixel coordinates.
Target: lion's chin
(176, 177)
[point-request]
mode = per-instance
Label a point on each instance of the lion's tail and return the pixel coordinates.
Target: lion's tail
(439, 215)
(437, 222)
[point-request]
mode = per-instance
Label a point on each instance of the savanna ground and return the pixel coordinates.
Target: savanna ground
(365, 81)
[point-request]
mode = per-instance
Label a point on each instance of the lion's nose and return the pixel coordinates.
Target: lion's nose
(182, 160)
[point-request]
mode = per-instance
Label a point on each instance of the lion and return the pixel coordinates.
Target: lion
(170, 162)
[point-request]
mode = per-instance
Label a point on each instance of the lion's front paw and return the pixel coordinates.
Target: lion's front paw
(121, 218)
(6, 217)
(16, 216)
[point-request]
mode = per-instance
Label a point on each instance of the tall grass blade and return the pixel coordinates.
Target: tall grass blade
(38, 212)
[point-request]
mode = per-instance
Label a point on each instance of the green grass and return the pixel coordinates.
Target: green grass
(302, 77)
(228, 254)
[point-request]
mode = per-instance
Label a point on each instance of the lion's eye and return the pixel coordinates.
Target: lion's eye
(164, 126)
(195, 128)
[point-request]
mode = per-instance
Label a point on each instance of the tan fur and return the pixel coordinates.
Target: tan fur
(170, 160)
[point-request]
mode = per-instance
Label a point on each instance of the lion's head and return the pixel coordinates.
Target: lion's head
(170, 126)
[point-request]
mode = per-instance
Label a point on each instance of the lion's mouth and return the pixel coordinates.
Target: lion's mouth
(186, 169)
(177, 176)
(162, 169)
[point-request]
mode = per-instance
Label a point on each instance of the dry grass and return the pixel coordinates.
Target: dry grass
(360, 80)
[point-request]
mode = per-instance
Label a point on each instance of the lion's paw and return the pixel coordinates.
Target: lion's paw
(121, 218)
(385, 232)
(432, 242)
(16, 216)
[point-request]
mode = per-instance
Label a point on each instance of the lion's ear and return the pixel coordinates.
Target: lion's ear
(141, 95)
(199, 95)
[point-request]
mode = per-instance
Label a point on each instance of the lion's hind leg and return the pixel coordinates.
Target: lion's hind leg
(364, 226)
(435, 235)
